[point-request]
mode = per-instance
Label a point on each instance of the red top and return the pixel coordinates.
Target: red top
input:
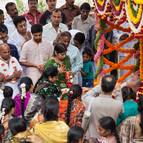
(33, 19)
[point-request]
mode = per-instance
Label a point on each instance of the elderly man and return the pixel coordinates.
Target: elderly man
(54, 27)
(10, 69)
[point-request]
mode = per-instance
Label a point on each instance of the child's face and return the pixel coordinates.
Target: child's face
(86, 57)
(53, 79)
(103, 132)
(61, 56)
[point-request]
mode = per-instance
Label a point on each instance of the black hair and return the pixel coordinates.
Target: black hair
(27, 81)
(85, 6)
(50, 71)
(36, 28)
(89, 52)
(51, 108)
(128, 93)
(3, 28)
(8, 5)
(7, 92)
(18, 19)
(65, 34)
(108, 83)
(108, 123)
(1, 12)
(74, 92)
(32, 0)
(57, 10)
(140, 109)
(75, 133)
(7, 105)
(80, 37)
(17, 125)
(59, 48)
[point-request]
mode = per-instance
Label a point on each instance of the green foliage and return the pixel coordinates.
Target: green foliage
(20, 6)
(41, 6)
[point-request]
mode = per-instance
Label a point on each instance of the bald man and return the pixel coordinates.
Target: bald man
(10, 69)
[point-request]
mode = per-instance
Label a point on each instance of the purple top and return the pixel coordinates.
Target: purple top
(17, 100)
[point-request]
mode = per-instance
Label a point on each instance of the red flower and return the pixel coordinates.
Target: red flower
(4, 69)
(2, 65)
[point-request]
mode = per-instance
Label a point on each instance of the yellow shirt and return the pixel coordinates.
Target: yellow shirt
(52, 131)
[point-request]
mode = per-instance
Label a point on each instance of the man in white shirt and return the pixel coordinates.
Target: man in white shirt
(10, 69)
(21, 34)
(35, 53)
(83, 22)
(103, 105)
(12, 12)
(53, 28)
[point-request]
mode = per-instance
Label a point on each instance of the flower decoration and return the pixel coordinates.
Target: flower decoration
(23, 90)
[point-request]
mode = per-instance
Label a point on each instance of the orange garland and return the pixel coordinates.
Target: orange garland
(118, 47)
(123, 77)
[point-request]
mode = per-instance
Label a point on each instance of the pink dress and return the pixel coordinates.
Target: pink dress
(17, 100)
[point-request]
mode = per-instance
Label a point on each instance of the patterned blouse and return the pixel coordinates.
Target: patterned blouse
(46, 88)
(77, 111)
(130, 130)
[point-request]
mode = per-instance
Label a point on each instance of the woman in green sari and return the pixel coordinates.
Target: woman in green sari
(62, 62)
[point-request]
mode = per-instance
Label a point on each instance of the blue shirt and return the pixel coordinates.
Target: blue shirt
(130, 109)
(88, 69)
(14, 51)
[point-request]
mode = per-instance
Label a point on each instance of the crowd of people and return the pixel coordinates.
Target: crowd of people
(47, 71)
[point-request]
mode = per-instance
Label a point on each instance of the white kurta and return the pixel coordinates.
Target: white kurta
(36, 54)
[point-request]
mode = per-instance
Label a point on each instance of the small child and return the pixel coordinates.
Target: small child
(46, 85)
(22, 99)
(7, 92)
(7, 112)
(75, 134)
(88, 68)
(107, 131)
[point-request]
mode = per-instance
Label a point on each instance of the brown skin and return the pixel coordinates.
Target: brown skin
(2, 19)
(3, 37)
(84, 14)
(86, 57)
(70, 3)
(5, 55)
(56, 19)
(33, 5)
(12, 11)
(51, 4)
(22, 29)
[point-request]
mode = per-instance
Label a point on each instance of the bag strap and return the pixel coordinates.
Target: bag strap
(89, 106)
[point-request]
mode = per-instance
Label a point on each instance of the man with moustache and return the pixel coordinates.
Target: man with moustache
(33, 15)
(12, 13)
(53, 28)
(35, 52)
